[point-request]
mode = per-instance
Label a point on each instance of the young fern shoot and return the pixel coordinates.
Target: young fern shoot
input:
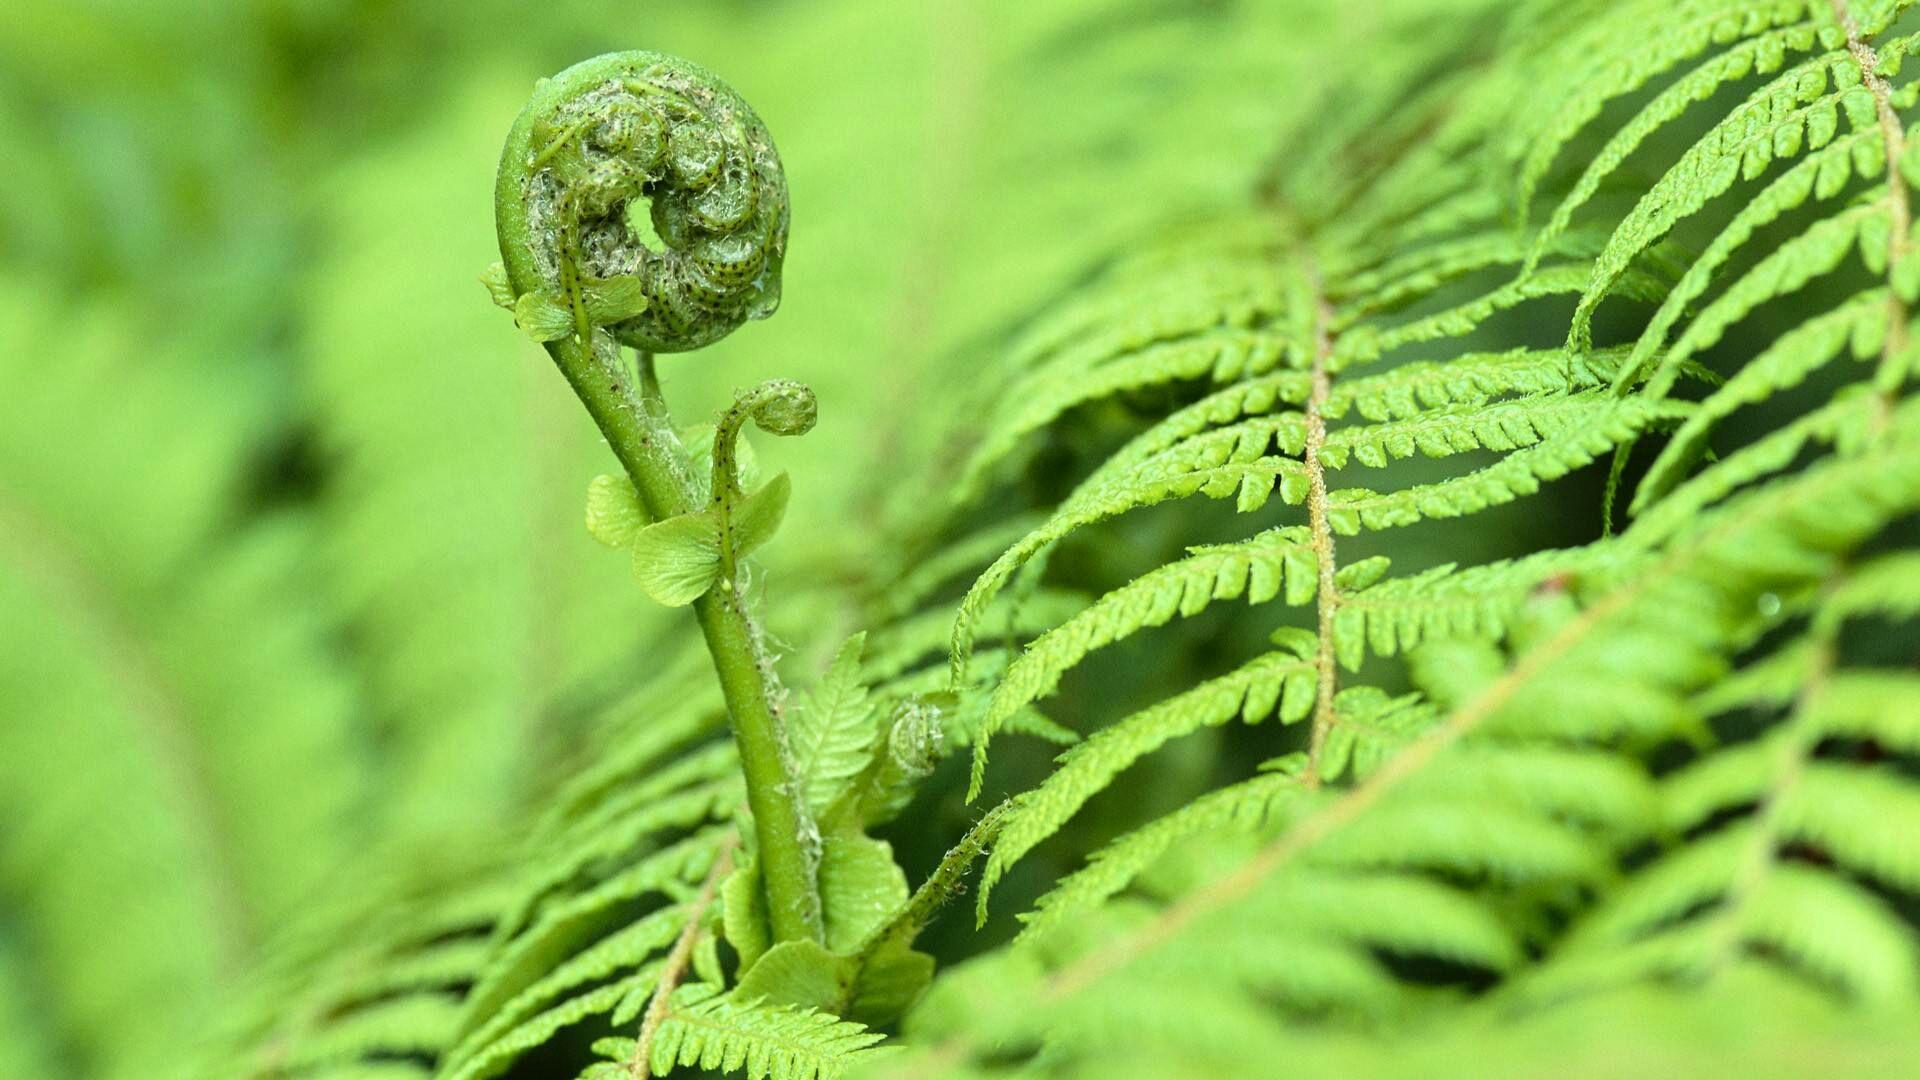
(594, 142)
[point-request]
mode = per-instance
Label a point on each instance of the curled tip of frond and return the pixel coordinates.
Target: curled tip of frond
(641, 131)
(781, 407)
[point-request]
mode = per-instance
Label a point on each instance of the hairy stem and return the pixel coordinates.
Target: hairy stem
(557, 185)
(1893, 354)
(1326, 595)
(942, 885)
(643, 442)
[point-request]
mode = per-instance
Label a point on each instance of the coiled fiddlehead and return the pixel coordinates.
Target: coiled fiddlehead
(590, 143)
(608, 133)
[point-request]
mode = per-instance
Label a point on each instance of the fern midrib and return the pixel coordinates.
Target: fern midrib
(1320, 528)
(660, 1005)
(1894, 142)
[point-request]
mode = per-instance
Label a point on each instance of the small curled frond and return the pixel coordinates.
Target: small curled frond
(780, 407)
(619, 136)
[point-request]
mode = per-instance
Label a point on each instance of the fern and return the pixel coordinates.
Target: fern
(1654, 641)
(1663, 607)
(1435, 479)
(705, 1030)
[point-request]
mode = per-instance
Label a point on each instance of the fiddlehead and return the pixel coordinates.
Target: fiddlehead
(777, 407)
(612, 134)
(578, 277)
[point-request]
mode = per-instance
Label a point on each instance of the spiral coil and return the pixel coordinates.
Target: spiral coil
(628, 128)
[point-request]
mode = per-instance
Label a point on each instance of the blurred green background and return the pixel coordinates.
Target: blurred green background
(292, 572)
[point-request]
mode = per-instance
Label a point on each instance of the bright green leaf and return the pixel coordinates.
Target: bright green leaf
(542, 317)
(498, 288)
(614, 299)
(756, 517)
(614, 513)
(677, 560)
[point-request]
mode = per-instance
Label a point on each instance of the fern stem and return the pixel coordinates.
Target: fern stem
(546, 188)
(675, 969)
(1893, 352)
(1326, 596)
(644, 441)
(941, 885)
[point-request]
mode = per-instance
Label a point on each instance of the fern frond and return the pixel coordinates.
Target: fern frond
(833, 731)
(1832, 423)
(497, 1056)
(708, 1030)
(1518, 474)
(1443, 432)
(1366, 344)
(1278, 683)
(1234, 461)
(632, 952)
(1423, 272)
(1760, 42)
(1044, 396)
(696, 790)
(1110, 318)
(1368, 726)
(1789, 361)
(1471, 379)
(1216, 464)
(1398, 614)
(1821, 174)
(1652, 629)
(1743, 886)
(1277, 564)
(567, 923)
(1798, 110)
(1788, 267)
(1240, 808)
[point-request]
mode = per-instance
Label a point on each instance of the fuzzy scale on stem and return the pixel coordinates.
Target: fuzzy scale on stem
(591, 141)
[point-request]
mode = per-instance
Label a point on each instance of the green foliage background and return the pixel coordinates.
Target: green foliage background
(297, 615)
(291, 570)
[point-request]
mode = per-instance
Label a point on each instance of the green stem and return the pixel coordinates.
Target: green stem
(942, 885)
(778, 407)
(643, 440)
(550, 180)
(651, 397)
(725, 486)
